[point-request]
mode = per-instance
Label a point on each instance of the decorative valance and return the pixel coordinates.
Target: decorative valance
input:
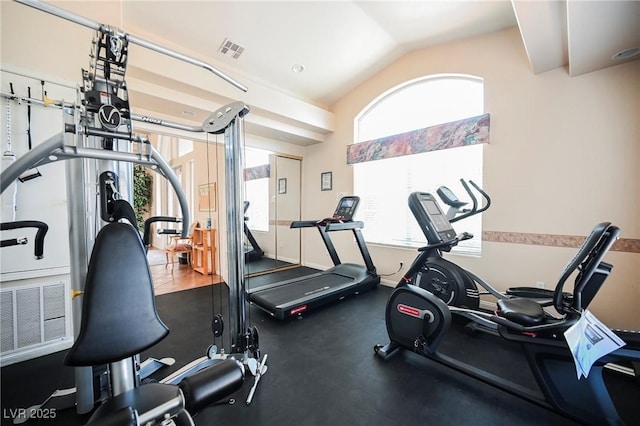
(468, 131)
(257, 172)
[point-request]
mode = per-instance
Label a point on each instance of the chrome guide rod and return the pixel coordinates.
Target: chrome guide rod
(235, 250)
(229, 120)
(81, 238)
(81, 20)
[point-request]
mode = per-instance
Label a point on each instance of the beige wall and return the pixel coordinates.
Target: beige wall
(564, 151)
(564, 155)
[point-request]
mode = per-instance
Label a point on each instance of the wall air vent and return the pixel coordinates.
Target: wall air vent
(229, 48)
(33, 315)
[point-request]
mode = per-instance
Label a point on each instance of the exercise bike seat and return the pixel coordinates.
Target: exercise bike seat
(525, 312)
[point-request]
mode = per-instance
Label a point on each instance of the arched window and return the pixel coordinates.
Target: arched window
(385, 184)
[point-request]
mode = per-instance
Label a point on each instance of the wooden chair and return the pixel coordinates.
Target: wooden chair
(180, 245)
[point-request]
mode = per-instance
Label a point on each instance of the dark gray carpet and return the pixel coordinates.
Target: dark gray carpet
(322, 371)
(264, 264)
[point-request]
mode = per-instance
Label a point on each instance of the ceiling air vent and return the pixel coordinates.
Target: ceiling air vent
(230, 48)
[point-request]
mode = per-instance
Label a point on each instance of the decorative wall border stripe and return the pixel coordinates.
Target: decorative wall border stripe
(627, 245)
(468, 131)
(257, 172)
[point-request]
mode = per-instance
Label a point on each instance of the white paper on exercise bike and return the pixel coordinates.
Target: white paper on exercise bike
(590, 340)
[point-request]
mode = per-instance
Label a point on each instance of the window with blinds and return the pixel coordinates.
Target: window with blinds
(384, 183)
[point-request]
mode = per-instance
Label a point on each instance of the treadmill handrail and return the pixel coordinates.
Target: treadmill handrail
(303, 224)
(328, 226)
(343, 226)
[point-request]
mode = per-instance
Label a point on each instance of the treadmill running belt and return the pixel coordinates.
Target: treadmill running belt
(296, 296)
(304, 289)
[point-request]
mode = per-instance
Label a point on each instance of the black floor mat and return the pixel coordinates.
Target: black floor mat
(264, 264)
(322, 371)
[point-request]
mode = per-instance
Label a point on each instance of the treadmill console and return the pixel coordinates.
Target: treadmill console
(346, 208)
(433, 222)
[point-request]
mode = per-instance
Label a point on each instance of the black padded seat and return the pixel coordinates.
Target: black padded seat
(522, 311)
(119, 317)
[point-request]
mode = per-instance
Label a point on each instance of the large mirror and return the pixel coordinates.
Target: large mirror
(272, 191)
(272, 199)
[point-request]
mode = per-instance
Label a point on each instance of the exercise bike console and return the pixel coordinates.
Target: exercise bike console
(433, 222)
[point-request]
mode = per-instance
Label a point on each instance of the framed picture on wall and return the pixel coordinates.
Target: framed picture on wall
(282, 186)
(326, 181)
(207, 197)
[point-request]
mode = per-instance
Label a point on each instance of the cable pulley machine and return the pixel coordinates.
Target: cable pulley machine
(99, 127)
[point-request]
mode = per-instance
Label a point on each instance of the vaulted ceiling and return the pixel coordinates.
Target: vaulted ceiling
(339, 44)
(317, 51)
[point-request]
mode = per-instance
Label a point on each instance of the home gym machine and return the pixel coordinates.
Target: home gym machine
(418, 321)
(97, 137)
(455, 285)
(296, 296)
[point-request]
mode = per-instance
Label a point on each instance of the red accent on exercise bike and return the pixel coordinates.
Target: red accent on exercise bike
(299, 309)
(408, 310)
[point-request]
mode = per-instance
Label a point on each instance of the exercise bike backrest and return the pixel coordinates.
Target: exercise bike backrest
(455, 212)
(592, 271)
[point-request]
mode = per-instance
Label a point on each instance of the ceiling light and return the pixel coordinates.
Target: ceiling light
(297, 68)
(626, 54)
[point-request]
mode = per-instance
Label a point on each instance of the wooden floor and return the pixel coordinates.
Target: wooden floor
(183, 277)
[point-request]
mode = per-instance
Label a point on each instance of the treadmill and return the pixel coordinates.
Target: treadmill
(252, 251)
(295, 296)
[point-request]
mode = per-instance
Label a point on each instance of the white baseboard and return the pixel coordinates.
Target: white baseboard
(316, 266)
(288, 259)
(36, 351)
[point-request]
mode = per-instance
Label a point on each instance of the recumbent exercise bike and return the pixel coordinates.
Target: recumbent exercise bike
(418, 321)
(455, 285)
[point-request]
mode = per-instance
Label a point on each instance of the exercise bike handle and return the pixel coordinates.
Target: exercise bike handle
(474, 209)
(450, 243)
(487, 199)
(42, 228)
